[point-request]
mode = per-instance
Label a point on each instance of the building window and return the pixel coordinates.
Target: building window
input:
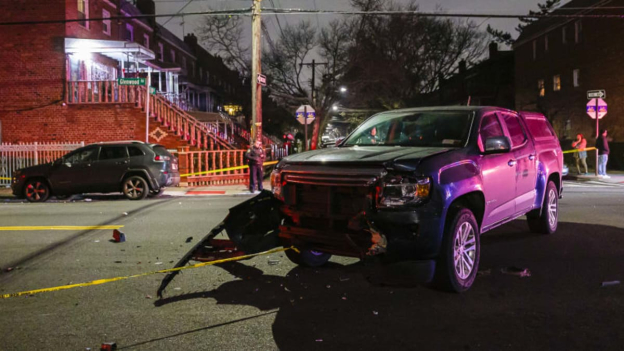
(534, 50)
(161, 52)
(575, 77)
(207, 77)
(201, 74)
(146, 40)
(564, 38)
(193, 69)
(184, 62)
(557, 83)
(106, 23)
(172, 52)
(541, 87)
(546, 42)
(129, 35)
(83, 13)
(578, 28)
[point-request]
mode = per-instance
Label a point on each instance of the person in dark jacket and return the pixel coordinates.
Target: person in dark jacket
(603, 154)
(255, 157)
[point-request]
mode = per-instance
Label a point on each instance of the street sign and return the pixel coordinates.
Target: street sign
(594, 104)
(262, 80)
(308, 111)
(152, 90)
(131, 81)
(600, 94)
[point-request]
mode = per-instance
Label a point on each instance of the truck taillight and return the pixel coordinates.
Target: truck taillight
(159, 158)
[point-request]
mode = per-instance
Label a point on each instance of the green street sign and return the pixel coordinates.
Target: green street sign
(131, 81)
(152, 90)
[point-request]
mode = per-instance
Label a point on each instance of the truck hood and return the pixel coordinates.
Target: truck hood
(367, 154)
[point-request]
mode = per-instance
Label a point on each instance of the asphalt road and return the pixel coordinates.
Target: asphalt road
(252, 305)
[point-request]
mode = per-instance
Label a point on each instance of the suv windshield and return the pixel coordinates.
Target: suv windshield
(427, 128)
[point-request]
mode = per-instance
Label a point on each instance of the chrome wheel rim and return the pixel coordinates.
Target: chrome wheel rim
(552, 208)
(35, 191)
(465, 247)
(134, 188)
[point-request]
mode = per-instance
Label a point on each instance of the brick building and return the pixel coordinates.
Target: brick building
(58, 81)
(558, 60)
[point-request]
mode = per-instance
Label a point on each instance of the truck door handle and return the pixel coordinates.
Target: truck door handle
(122, 162)
(531, 157)
(512, 163)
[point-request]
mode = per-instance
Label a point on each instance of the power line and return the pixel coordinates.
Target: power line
(180, 10)
(281, 11)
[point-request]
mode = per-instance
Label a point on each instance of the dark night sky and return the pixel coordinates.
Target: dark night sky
(474, 6)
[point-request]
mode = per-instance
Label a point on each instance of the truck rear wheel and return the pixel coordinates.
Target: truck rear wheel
(458, 263)
(546, 222)
(308, 258)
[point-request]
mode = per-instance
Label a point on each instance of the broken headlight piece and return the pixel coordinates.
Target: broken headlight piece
(400, 191)
(276, 183)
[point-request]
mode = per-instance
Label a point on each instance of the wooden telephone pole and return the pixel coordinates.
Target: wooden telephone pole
(256, 69)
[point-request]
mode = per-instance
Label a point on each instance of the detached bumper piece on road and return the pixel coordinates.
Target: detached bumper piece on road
(252, 227)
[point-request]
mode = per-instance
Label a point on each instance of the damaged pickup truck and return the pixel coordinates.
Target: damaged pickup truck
(418, 185)
(421, 185)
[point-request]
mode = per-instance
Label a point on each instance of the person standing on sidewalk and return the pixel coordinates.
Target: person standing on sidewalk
(255, 157)
(603, 154)
(581, 156)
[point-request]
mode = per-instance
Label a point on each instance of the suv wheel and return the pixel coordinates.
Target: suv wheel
(460, 252)
(135, 188)
(546, 222)
(308, 258)
(36, 190)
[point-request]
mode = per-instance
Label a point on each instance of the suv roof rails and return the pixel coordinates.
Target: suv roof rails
(121, 142)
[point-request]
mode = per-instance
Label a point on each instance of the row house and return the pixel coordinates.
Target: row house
(557, 60)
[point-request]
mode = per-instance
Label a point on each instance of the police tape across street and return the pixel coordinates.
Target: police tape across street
(110, 280)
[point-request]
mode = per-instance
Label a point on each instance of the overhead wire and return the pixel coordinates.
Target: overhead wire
(294, 11)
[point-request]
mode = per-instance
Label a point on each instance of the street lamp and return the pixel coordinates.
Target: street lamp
(343, 89)
(335, 107)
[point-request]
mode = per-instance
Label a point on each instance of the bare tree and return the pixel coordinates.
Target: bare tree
(396, 59)
(224, 36)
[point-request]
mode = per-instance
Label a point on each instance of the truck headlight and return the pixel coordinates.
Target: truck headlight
(401, 191)
(276, 183)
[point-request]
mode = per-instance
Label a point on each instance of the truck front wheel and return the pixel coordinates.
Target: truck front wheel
(308, 258)
(546, 222)
(459, 256)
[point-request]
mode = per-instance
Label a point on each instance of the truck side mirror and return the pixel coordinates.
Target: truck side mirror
(497, 145)
(339, 141)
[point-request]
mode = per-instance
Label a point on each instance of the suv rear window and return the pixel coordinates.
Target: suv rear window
(539, 128)
(135, 151)
(113, 152)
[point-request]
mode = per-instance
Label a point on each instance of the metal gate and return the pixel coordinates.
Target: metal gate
(16, 156)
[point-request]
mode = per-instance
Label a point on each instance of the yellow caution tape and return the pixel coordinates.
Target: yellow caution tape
(224, 169)
(578, 150)
(61, 227)
(109, 280)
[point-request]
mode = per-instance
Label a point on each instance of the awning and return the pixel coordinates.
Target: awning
(163, 66)
(115, 49)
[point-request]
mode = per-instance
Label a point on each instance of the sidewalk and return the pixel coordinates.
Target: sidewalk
(231, 190)
(616, 177)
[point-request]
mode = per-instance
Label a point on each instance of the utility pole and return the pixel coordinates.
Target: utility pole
(317, 121)
(256, 69)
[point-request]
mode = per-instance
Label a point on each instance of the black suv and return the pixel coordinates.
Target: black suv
(132, 167)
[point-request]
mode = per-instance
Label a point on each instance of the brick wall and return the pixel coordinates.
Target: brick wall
(88, 123)
(31, 56)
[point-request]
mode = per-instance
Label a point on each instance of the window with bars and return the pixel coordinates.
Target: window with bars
(556, 83)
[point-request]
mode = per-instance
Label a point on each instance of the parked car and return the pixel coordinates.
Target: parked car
(131, 167)
(421, 185)
(565, 170)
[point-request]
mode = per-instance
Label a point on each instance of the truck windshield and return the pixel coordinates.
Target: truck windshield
(427, 128)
